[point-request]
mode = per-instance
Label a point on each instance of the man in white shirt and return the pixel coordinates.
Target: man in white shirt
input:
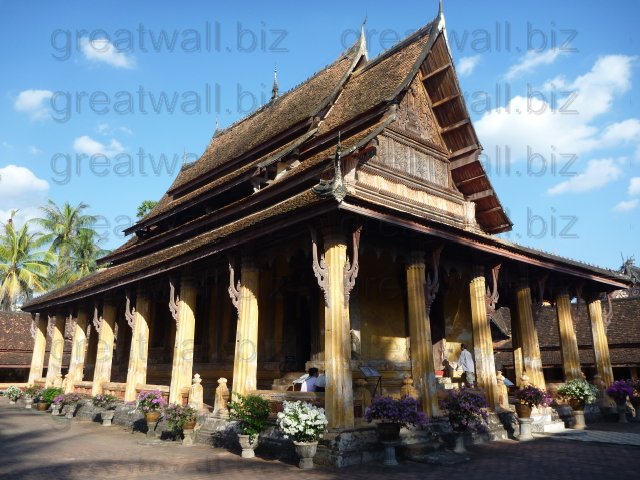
(468, 368)
(309, 384)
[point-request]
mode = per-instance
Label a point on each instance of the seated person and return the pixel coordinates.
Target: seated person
(321, 383)
(309, 384)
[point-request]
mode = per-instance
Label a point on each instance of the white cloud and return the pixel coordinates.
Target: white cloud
(126, 130)
(103, 128)
(101, 50)
(634, 186)
(531, 60)
(33, 103)
(467, 65)
(626, 205)
(22, 190)
(88, 146)
(558, 118)
(598, 174)
(6, 144)
(33, 150)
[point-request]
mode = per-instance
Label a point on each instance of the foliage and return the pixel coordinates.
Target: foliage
(177, 415)
(150, 401)
(251, 412)
(23, 266)
(49, 394)
(66, 399)
(145, 207)
(105, 401)
(390, 410)
(302, 421)
(578, 389)
(620, 390)
(533, 396)
(465, 409)
(13, 393)
(32, 391)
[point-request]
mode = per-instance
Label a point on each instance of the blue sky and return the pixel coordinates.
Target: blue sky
(552, 88)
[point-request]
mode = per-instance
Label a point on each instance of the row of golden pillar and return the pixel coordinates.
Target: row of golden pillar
(337, 340)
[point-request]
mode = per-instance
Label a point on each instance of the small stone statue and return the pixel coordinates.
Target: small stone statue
(196, 394)
(524, 380)
(503, 395)
(221, 398)
(408, 388)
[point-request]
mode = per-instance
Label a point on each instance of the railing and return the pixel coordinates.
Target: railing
(83, 388)
(115, 389)
(276, 398)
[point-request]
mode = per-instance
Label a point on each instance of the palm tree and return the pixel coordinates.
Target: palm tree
(64, 225)
(86, 251)
(23, 268)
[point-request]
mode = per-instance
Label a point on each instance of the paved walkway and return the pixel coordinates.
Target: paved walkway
(34, 445)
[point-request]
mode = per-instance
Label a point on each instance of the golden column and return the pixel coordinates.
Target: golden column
(39, 332)
(137, 320)
(183, 312)
(528, 335)
(78, 350)
(482, 342)
(600, 345)
(245, 298)
(422, 368)
(55, 329)
(516, 345)
(105, 326)
(337, 339)
(568, 341)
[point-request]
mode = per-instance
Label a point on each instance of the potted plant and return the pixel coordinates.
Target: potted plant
(46, 396)
(305, 423)
(619, 391)
(251, 412)
(635, 398)
(14, 394)
(181, 420)
(578, 393)
(30, 394)
(69, 404)
(466, 412)
(529, 397)
(392, 414)
(108, 405)
(151, 403)
(57, 404)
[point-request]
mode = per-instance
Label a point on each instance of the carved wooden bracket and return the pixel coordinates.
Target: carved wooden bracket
(351, 271)
(319, 267)
(130, 313)
(432, 283)
(97, 320)
(34, 324)
(51, 325)
(174, 304)
(607, 315)
(492, 294)
(234, 287)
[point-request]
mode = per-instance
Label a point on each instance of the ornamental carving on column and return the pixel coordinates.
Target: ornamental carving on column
(174, 304)
(51, 325)
(234, 287)
(432, 283)
(97, 320)
(351, 271)
(34, 324)
(320, 267)
(492, 295)
(130, 313)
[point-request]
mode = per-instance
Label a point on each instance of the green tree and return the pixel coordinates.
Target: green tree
(23, 266)
(86, 252)
(145, 207)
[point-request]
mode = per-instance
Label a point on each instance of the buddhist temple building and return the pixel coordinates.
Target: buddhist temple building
(348, 223)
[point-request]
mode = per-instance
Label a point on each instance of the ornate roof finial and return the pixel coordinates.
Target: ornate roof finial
(440, 9)
(184, 157)
(274, 90)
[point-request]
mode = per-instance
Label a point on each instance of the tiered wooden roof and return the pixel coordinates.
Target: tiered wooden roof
(236, 191)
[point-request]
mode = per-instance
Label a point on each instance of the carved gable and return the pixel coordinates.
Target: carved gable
(415, 116)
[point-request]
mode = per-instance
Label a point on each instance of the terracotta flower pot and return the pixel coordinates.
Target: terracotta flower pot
(388, 432)
(576, 404)
(152, 417)
(248, 445)
(190, 425)
(306, 451)
(42, 406)
(523, 410)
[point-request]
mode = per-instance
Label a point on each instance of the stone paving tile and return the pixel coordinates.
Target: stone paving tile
(36, 446)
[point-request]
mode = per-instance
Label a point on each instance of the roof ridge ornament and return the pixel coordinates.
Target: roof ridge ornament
(274, 90)
(334, 187)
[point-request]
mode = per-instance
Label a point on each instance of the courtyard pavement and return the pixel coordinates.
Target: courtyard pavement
(33, 445)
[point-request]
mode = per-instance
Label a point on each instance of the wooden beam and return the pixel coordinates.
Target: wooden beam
(456, 125)
(445, 100)
(469, 180)
(480, 195)
(464, 151)
(488, 210)
(437, 71)
(461, 162)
